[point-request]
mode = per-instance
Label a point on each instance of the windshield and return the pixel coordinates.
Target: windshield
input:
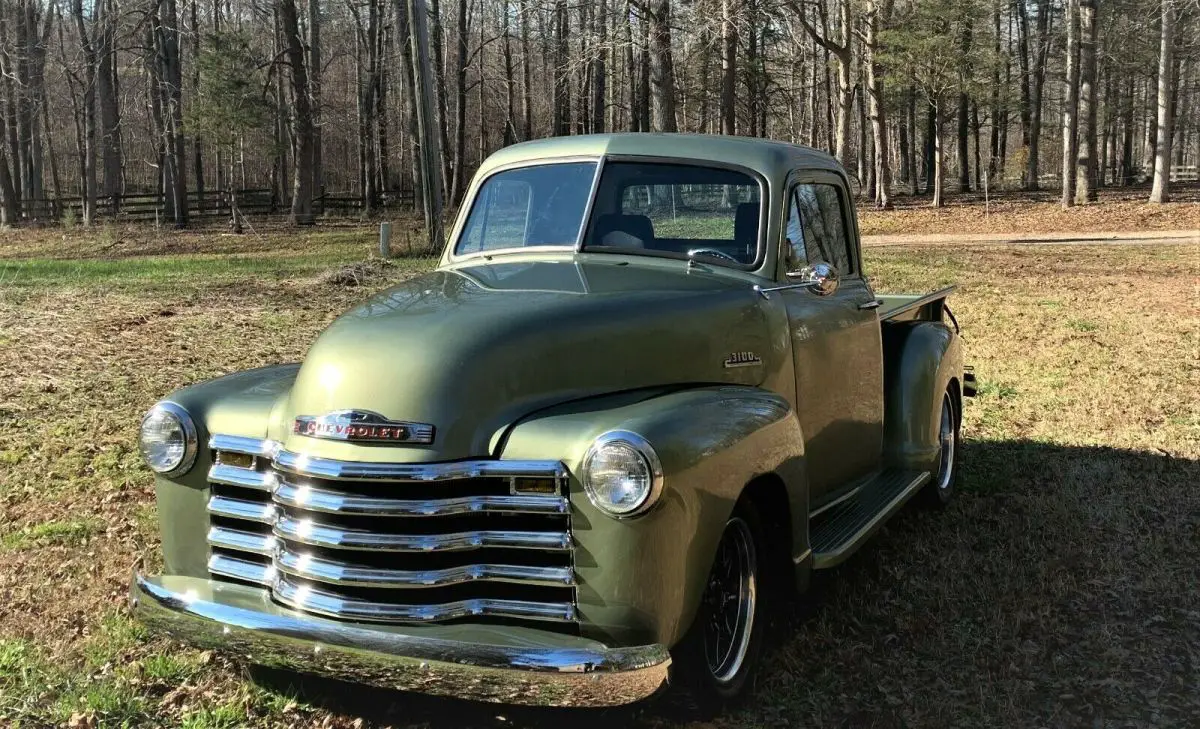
(678, 211)
(542, 205)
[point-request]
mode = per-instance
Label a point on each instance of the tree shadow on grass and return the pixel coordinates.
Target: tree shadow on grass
(1060, 583)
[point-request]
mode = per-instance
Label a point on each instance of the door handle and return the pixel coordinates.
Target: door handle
(873, 304)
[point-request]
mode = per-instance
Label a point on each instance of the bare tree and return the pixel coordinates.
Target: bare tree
(1161, 191)
(302, 117)
(662, 70)
(1070, 123)
(1085, 169)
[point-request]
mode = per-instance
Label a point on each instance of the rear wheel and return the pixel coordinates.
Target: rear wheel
(941, 489)
(720, 654)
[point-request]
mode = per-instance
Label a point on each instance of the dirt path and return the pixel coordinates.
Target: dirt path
(1154, 237)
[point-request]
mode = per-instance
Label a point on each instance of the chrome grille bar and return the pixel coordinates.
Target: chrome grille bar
(308, 532)
(240, 541)
(245, 477)
(257, 511)
(425, 472)
(303, 597)
(340, 573)
(337, 502)
(243, 445)
(240, 569)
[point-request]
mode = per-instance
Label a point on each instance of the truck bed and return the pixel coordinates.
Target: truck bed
(913, 307)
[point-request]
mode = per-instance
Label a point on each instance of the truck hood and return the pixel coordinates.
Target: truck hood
(472, 350)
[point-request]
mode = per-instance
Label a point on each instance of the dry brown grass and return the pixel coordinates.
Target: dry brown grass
(1059, 590)
(1011, 213)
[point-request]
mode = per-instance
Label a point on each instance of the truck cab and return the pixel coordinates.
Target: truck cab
(646, 392)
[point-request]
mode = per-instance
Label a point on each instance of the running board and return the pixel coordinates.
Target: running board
(837, 533)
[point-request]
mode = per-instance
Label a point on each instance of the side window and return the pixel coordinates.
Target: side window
(823, 223)
(793, 245)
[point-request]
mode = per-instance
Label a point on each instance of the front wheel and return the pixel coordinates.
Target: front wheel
(720, 654)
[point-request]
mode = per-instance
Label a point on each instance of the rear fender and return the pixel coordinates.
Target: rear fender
(641, 578)
(921, 360)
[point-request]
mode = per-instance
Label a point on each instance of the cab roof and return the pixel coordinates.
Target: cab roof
(769, 158)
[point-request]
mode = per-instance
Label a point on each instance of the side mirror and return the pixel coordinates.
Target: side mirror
(821, 277)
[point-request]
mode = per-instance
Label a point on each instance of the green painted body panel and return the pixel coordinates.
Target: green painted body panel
(531, 355)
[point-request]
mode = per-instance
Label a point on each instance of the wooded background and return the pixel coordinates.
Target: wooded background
(290, 108)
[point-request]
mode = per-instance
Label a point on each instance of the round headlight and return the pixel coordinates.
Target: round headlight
(622, 474)
(168, 439)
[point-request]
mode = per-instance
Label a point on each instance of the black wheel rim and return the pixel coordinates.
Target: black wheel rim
(730, 600)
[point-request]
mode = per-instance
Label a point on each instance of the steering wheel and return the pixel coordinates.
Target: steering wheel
(713, 252)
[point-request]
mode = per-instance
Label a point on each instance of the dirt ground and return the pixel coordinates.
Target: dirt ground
(1058, 590)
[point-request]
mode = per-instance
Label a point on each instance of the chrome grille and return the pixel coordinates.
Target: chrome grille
(479, 540)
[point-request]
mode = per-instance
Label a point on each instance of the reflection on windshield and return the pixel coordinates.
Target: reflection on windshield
(542, 205)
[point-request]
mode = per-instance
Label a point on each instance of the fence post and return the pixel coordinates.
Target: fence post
(385, 240)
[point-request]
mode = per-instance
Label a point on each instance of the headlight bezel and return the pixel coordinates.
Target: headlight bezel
(191, 444)
(650, 457)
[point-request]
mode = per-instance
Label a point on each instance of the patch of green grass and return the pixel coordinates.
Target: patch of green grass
(170, 668)
(118, 634)
(1082, 325)
(72, 531)
(225, 716)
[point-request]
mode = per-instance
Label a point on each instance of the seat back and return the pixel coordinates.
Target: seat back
(622, 231)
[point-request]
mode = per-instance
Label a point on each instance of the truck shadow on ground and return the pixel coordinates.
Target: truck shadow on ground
(1044, 566)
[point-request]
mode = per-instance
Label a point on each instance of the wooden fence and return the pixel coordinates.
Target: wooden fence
(1185, 173)
(251, 203)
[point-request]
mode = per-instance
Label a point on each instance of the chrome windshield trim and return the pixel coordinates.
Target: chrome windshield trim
(536, 668)
(339, 573)
(243, 444)
(460, 222)
(263, 513)
(240, 541)
(303, 465)
(238, 476)
(306, 531)
(304, 597)
(240, 569)
(337, 502)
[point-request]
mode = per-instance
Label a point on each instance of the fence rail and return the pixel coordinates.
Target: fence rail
(252, 202)
(1185, 173)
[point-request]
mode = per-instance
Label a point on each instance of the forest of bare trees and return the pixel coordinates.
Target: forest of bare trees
(196, 103)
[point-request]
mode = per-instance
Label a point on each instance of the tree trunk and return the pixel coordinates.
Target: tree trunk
(460, 101)
(1085, 169)
(939, 163)
(87, 150)
(600, 70)
(662, 72)
(877, 14)
(197, 142)
(526, 76)
(729, 44)
(314, 90)
(1038, 83)
(423, 95)
(1070, 122)
(302, 116)
(562, 80)
(1161, 191)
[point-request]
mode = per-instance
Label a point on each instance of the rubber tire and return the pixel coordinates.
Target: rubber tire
(689, 665)
(932, 496)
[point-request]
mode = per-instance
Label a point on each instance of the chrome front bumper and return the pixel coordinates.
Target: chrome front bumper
(484, 663)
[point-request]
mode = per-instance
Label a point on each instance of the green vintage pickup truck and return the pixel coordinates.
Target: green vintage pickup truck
(646, 393)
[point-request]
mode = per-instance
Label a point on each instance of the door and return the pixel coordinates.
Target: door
(836, 344)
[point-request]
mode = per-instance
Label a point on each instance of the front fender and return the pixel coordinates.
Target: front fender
(238, 404)
(641, 578)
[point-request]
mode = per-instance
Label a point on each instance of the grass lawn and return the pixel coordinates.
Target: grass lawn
(1059, 589)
